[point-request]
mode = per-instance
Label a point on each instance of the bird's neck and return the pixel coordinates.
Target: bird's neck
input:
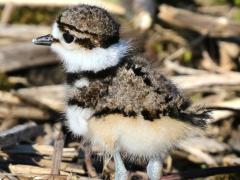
(93, 60)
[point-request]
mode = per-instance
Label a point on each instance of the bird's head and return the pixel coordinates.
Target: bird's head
(86, 38)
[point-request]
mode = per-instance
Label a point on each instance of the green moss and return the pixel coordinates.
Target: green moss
(196, 97)
(220, 2)
(158, 47)
(4, 83)
(235, 2)
(26, 15)
(187, 56)
(236, 16)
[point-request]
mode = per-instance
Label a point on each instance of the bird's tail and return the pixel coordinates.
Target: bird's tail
(197, 116)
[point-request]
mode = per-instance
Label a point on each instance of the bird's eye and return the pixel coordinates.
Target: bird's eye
(68, 38)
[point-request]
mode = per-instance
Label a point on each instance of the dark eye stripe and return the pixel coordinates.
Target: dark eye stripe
(68, 38)
(105, 42)
(85, 43)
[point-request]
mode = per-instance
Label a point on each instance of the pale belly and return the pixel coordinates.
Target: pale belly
(138, 137)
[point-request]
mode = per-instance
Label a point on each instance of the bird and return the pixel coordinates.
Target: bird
(115, 99)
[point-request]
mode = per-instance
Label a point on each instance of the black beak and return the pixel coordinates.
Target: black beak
(46, 40)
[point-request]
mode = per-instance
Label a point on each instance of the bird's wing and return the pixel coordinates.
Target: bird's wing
(138, 90)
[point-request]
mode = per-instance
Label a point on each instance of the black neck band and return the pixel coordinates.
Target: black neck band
(91, 75)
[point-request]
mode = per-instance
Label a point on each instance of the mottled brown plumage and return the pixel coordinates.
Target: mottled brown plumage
(136, 90)
(132, 89)
(90, 24)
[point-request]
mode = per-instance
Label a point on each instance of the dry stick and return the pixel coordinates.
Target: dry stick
(6, 14)
(40, 161)
(177, 67)
(27, 31)
(220, 113)
(48, 96)
(48, 176)
(34, 172)
(28, 169)
(9, 98)
(206, 144)
(206, 81)
(202, 173)
(214, 26)
(206, 158)
(224, 109)
(33, 56)
(36, 176)
(19, 133)
(215, 10)
(4, 176)
(89, 164)
(68, 167)
(166, 34)
(57, 154)
(42, 150)
(8, 123)
(144, 12)
(23, 112)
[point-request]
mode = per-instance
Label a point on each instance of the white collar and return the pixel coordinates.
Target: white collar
(95, 60)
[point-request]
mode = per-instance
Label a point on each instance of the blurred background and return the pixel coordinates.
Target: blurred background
(196, 43)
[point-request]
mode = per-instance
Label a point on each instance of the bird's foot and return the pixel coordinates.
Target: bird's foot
(121, 172)
(123, 175)
(154, 169)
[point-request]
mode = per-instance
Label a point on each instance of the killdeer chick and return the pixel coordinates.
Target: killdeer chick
(114, 98)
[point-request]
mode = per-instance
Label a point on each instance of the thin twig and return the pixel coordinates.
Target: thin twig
(236, 110)
(19, 133)
(57, 154)
(89, 164)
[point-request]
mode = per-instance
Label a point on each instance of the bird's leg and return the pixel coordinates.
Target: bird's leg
(154, 169)
(120, 170)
